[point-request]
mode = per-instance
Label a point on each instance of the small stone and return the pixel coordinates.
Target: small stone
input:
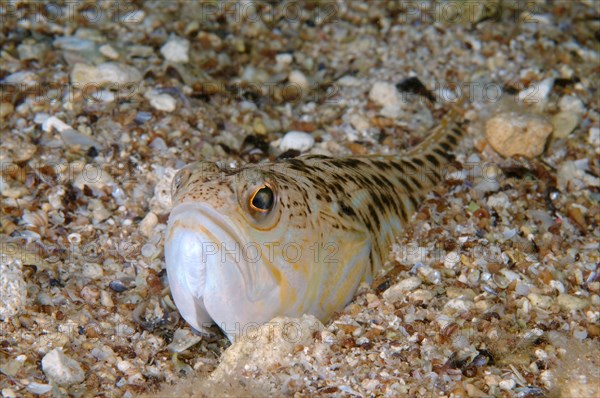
(572, 303)
(300, 80)
(6, 109)
(54, 123)
(161, 102)
(108, 51)
(73, 138)
(176, 50)
(515, 133)
(537, 93)
(61, 369)
(297, 140)
(182, 340)
(451, 260)
(161, 204)
(147, 224)
(507, 384)
(460, 305)
(24, 77)
(594, 138)
(387, 96)
(564, 123)
(283, 59)
(12, 285)
(108, 73)
(106, 300)
(572, 103)
(400, 289)
(359, 122)
(31, 50)
(539, 301)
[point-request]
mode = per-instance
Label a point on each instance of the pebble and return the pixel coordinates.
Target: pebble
(73, 43)
(161, 102)
(13, 294)
(24, 77)
(564, 123)
(6, 109)
(300, 80)
(593, 138)
(451, 260)
(61, 369)
(54, 123)
(31, 50)
(161, 204)
(108, 51)
(387, 96)
(514, 133)
(298, 140)
(108, 73)
(147, 224)
(572, 303)
(537, 93)
(540, 301)
(398, 291)
(359, 122)
(507, 384)
(176, 50)
(182, 340)
(73, 138)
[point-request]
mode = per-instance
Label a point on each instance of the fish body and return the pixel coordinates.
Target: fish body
(294, 236)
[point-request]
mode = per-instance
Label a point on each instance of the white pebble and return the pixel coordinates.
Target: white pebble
(451, 260)
(400, 289)
(297, 140)
(148, 250)
(507, 385)
(176, 50)
(558, 285)
(300, 80)
(54, 123)
(61, 369)
(12, 286)
(537, 93)
(283, 59)
(148, 223)
(108, 51)
(108, 73)
(571, 103)
(387, 96)
(594, 138)
(162, 102)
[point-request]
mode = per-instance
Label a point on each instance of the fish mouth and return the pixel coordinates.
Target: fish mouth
(211, 279)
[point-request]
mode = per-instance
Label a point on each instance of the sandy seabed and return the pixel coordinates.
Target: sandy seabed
(493, 288)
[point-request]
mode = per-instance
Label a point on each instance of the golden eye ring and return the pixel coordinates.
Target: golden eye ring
(263, 199)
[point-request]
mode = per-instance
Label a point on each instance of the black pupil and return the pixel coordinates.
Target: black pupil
(263, 199)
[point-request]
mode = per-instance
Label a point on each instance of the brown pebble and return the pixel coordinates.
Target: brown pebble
(155, 285)
(307, 127)
(356, 148)
(546, 276)
(593, 330)
(576, 215)
(347, 328)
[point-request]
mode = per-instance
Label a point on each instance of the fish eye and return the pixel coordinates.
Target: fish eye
(263, 199)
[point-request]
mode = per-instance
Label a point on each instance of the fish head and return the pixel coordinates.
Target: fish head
(219, 251)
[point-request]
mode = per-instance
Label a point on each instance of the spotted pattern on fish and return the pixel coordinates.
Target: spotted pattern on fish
(354, 206)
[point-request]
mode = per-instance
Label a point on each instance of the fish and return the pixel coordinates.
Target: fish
(296, 236)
